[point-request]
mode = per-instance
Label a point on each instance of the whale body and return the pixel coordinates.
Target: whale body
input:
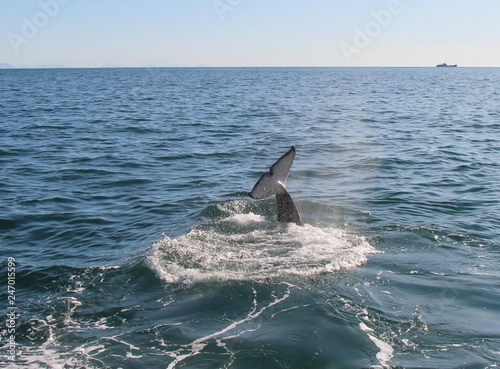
(273, 182)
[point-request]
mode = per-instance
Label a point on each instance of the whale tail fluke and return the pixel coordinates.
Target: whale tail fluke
(274, 183)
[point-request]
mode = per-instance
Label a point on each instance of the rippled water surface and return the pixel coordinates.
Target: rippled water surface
(125, 217)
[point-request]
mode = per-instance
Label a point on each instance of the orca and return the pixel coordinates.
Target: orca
(274, 183)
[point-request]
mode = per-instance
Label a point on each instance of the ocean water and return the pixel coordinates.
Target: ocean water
(128, 240)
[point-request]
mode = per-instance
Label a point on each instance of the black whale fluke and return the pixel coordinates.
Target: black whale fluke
(274, 183)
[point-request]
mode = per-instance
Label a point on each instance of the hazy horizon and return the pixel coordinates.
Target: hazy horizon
(2, 66)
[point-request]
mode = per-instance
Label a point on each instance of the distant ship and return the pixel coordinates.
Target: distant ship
(444, 65)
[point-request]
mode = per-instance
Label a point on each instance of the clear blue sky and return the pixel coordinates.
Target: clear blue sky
(93, 33)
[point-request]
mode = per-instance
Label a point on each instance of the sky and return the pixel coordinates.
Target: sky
(186, 33)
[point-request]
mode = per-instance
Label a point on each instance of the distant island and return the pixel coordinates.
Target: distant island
(444, 65)
(6, 66)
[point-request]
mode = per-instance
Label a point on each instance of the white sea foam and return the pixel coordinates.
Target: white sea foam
(248, 247)
(43, 356)
(244, 219)
(386, 351)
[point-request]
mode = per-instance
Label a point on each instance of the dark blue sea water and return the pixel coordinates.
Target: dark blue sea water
(125, 219)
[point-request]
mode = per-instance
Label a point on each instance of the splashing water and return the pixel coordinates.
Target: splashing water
(249, 247)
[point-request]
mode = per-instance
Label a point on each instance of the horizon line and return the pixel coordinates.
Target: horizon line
(9, 66)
